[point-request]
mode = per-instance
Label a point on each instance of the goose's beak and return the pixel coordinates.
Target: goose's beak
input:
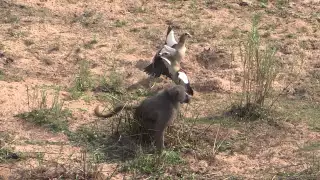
(188, 34)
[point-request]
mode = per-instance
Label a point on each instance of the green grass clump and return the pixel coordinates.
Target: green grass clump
(48, 118)
(111, 88)
(53, 117)
(153, 163)
(83, 80)
(113, 83)
(119, 23)
(89, 44)
(8, 155)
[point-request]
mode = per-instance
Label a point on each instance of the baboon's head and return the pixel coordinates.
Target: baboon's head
(178, 94)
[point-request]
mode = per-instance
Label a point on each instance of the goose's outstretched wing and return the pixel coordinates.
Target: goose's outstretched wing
(167, 51)
(160, 66)
(170, 39)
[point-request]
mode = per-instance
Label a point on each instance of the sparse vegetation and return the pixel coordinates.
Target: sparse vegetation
(88, 18)
(9, 78)
(138, 9)
(263, 3)
(53, 117)
(83, 80)
(152, 163)
(83, 171)
(259, 73)
(94, 140)
(111, 141)
(120, 23)
(8, 155)
(311, 172)
(302, 111)
(89, 45)
(282, 3)
(111, 88)
(11, 18)
(28, 42)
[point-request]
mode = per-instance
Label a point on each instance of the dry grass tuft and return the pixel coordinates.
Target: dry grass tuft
(260, 70)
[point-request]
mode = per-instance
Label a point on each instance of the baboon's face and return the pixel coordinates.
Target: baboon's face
(179, 94)
(186, 99)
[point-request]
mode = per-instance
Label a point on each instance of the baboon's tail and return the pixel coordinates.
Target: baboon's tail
(115, 111)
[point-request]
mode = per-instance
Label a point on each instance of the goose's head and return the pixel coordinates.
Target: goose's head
(187, 34)
(164, 54)
(184, 36)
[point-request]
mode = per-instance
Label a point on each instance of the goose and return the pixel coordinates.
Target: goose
(176, 50)
(166, 68)
(179, 46)
(156, 68)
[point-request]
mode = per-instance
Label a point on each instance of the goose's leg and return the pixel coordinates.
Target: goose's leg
(152, 80)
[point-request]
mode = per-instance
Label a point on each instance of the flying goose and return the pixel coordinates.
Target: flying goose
(166, 68)
(156, 68)
(176, 50)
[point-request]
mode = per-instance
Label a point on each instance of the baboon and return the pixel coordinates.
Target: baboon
(155, 113)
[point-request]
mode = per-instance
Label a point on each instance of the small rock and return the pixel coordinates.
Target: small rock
(245, 3)
(13, 156)
(65, 93)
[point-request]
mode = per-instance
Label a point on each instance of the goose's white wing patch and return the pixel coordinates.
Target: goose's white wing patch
(183, 77)
(171, 39)
(169, 71)
(169, 49)
(167, 60)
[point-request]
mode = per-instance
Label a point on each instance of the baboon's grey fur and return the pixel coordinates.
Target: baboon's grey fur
(157, 112)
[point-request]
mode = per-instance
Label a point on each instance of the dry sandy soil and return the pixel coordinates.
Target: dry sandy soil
(43, 41)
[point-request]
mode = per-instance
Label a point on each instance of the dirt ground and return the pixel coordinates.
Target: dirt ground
(42, 42)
